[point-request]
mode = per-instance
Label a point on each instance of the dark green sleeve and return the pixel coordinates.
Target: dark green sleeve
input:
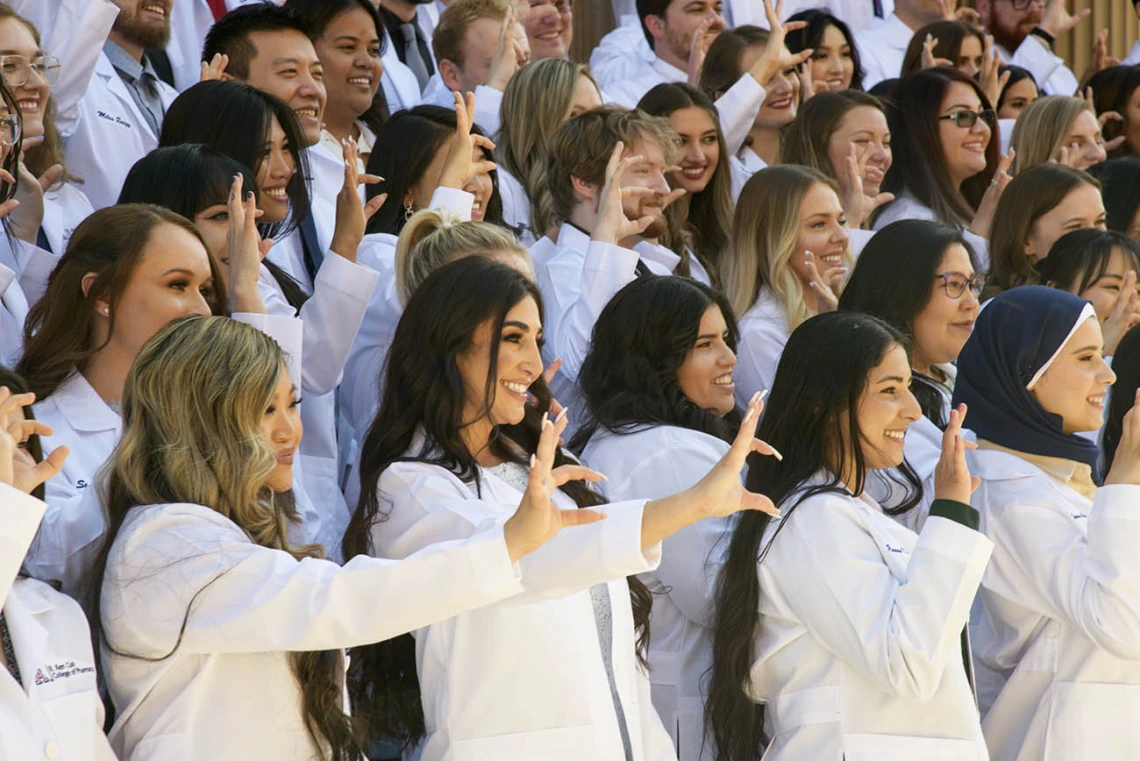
(959, 512)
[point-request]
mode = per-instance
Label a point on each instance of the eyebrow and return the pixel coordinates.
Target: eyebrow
(284, 60)
(703, 336)
(891, 379)
(960, 106)
(517, 324)
(12, 51)
(180, 270)
(1083, 349)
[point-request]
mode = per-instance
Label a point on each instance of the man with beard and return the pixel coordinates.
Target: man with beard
(1024, 31)
(120, 116)
(595, 255)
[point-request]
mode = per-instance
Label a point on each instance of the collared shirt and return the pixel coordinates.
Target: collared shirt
(134, 74)
(393, 24)
(1076, 475)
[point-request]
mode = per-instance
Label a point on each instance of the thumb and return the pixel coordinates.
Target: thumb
(374, 205)
(51, 176)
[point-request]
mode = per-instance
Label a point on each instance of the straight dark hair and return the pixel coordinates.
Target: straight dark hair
(642, 337)
(722, 68)
(404, 150)
(230, 36)
(705, 216)
(1016, 74)
(318, 14)
(1078, 259)
(424, 399)
(919, 165)
(894, 281)
(205, 177)
(815, 397)
(1126, 365)
(1112, 90)
(1120, 189)
(811, 36)
(950, 35)
(1029, 196)
(237, 119)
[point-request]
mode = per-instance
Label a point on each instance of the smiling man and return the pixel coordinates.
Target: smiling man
(1024, 31)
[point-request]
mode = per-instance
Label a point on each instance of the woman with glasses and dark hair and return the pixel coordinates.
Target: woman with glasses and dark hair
(946, 155)
(919, 276)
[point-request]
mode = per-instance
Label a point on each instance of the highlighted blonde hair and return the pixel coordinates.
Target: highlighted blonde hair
(433, 238)
(1040, 131)
(764, 235)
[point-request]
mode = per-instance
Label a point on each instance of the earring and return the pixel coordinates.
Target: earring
(106, 311)
(408, 210)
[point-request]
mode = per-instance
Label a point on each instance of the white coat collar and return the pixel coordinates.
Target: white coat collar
(106, 72)
(84, 409)
(7, 276)
(667, 70)
(896, 35)
(29, 637)
(573, 238)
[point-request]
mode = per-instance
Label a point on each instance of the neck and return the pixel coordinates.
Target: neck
(107, 373)
(134, 50)
(924, 366)
(912, 20)
(402, 9)
(765, 144)
(476, 438)
(340, 126)
(583, 218)
(669, 57)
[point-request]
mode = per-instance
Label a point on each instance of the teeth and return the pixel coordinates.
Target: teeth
(694, 172)
(360, 81)
(518, 388)
(724, 380)
(155, 9)
(275, 193)
(896, 435)
(306, 111)
(1096, 399)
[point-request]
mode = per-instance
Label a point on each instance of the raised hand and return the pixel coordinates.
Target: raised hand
(510, 54)
(1125, 313)
(857, 205)
(984, 217)
(216, 68)
(1057, 20)
(538, 519)
(459, 166)
(952, 479)
(17, 468)
(776, 57)
(824, 284)
(351, 215)
(1126, 464)
(612, 224)
(929, 61)
(244, 247)
(990, 79)
(702, 38)
(28, 213)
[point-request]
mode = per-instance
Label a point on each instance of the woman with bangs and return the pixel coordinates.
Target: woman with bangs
(221, 636)
(535, 93)
(787, 259)
(947, 165)
(704, 213)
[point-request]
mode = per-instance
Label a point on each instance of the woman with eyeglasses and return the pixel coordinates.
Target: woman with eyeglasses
(919, 276)
(52, 203)
(946, 155)
(1039, 206)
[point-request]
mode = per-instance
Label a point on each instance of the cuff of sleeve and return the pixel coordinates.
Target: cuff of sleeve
(491, 564)
(21, 514)
(621, 539)
(959, 512)
(354, 280)
(456, 201)
(1115, 502)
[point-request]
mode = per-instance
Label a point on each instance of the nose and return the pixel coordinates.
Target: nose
(834, 65)
(659, 183)
(284, 427)
(280, 165)
(199, 307)
(727, 358)
(1106, 375)
(840, 235)
(718, 20)
(882, 153)
(691, 152)
(531, 363)
(310, 87)
(980, 126)
(969, 301)
(911, 411)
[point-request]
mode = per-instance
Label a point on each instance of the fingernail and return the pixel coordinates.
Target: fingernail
(533, 461)
(776, 453)
(761, 395)
(755, 398)
(562, 414)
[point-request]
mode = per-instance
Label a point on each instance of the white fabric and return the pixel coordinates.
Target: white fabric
(1056, 634)
(64, 208)
(906, 206)
(1052, 75)
(1133, 56)
(622, 52)
(538, 688)
(14, 301)
(487, 102)
(516, 207)
(882, 48)
(858, 653)
(57, 713)
(401, 88)
(763, 334)
(184, 579)
(651, 464)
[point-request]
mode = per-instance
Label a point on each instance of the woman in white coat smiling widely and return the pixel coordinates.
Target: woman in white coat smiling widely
(848, 630)
(220, 639)
(657, 384)
(552, 674)
(1060, 636)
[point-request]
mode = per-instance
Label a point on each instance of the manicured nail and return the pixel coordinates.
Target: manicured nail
(533, 461)
(562, 415)
(761, 395)
(776, 453)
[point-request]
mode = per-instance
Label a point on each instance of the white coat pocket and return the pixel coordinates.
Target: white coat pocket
(1093, 721)
(557, 744)
(875, 747)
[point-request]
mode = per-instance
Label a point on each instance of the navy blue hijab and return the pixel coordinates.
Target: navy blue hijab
(1015, 338)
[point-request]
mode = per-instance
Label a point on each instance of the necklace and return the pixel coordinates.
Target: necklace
(9, 651)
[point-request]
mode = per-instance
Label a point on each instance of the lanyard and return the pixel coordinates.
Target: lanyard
(9, 651)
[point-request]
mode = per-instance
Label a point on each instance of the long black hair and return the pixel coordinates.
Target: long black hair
(642, 337)
(811, 36)
(894, 281)
(318, 14)
(403, 152)
(1120, 189)
(1126, 365)
(1079, 258)
(424, 400)
(237, 119)
(815, 398)
(204, 178)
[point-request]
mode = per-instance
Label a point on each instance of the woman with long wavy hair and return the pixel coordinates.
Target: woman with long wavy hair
(221, 637)
(553, 673)
(660, 412)
(838, 632)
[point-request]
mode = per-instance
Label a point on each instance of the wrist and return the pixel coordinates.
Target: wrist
(246, 300)
(1044, 35)
(345, 247)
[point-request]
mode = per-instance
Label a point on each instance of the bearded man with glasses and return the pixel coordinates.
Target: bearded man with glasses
(1025, 31)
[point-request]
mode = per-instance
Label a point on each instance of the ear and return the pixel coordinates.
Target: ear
(1029, 250)
(656, 26)
(449, 73)
(584, 190)
(102, 306)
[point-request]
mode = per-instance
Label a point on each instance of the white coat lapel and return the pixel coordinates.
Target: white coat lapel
(130, 112)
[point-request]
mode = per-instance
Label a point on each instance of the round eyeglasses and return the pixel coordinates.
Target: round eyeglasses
(17, 69)
(956, 283)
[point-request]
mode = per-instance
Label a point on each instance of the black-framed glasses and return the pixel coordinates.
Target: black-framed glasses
(1020, 5)
(9, 130)
(956, 283)
(967, 119)
(17, 69)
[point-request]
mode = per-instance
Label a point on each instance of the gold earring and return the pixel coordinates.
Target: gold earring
(408, 210)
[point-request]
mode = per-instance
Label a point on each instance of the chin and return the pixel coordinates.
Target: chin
(280, 482)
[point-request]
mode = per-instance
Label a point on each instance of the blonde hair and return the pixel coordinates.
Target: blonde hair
(192, 409)
(433, 238)
(1041, 129)
(538, 100)
(764, 234)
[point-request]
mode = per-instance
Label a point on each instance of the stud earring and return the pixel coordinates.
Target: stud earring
(106, 311)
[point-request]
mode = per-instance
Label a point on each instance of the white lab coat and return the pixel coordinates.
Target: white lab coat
(488, 101)
(525, 678)
(737, 108)
(110, 134)
(906, 206)
(663, 260)
(882, 48)
(1052, 75)
(1061, 623)
(57, 713)
(186, 581)
(650, 464)
(516, 207)
(64, 208)
(1133, 57)
(858, 653)
(401, 88)
(622, 52)
(763, 334)
(14, 302)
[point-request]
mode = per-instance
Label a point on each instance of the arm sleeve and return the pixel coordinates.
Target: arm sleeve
(738, 108)
(21, 514)
(898, 633)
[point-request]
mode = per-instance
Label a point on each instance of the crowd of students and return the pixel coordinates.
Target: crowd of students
(764, 389)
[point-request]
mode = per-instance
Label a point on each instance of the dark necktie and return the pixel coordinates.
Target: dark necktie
(878, 4)
(642, 270)
(42, 241)
(413, 57)
(311, 247)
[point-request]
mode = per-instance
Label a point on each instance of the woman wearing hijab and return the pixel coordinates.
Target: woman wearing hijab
(1057, 643)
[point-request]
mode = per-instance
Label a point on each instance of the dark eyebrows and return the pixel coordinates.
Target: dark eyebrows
(891, 379)
(177, 270)
(1083, 349)
(517, 324)
(285, 60)
(707, 336)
